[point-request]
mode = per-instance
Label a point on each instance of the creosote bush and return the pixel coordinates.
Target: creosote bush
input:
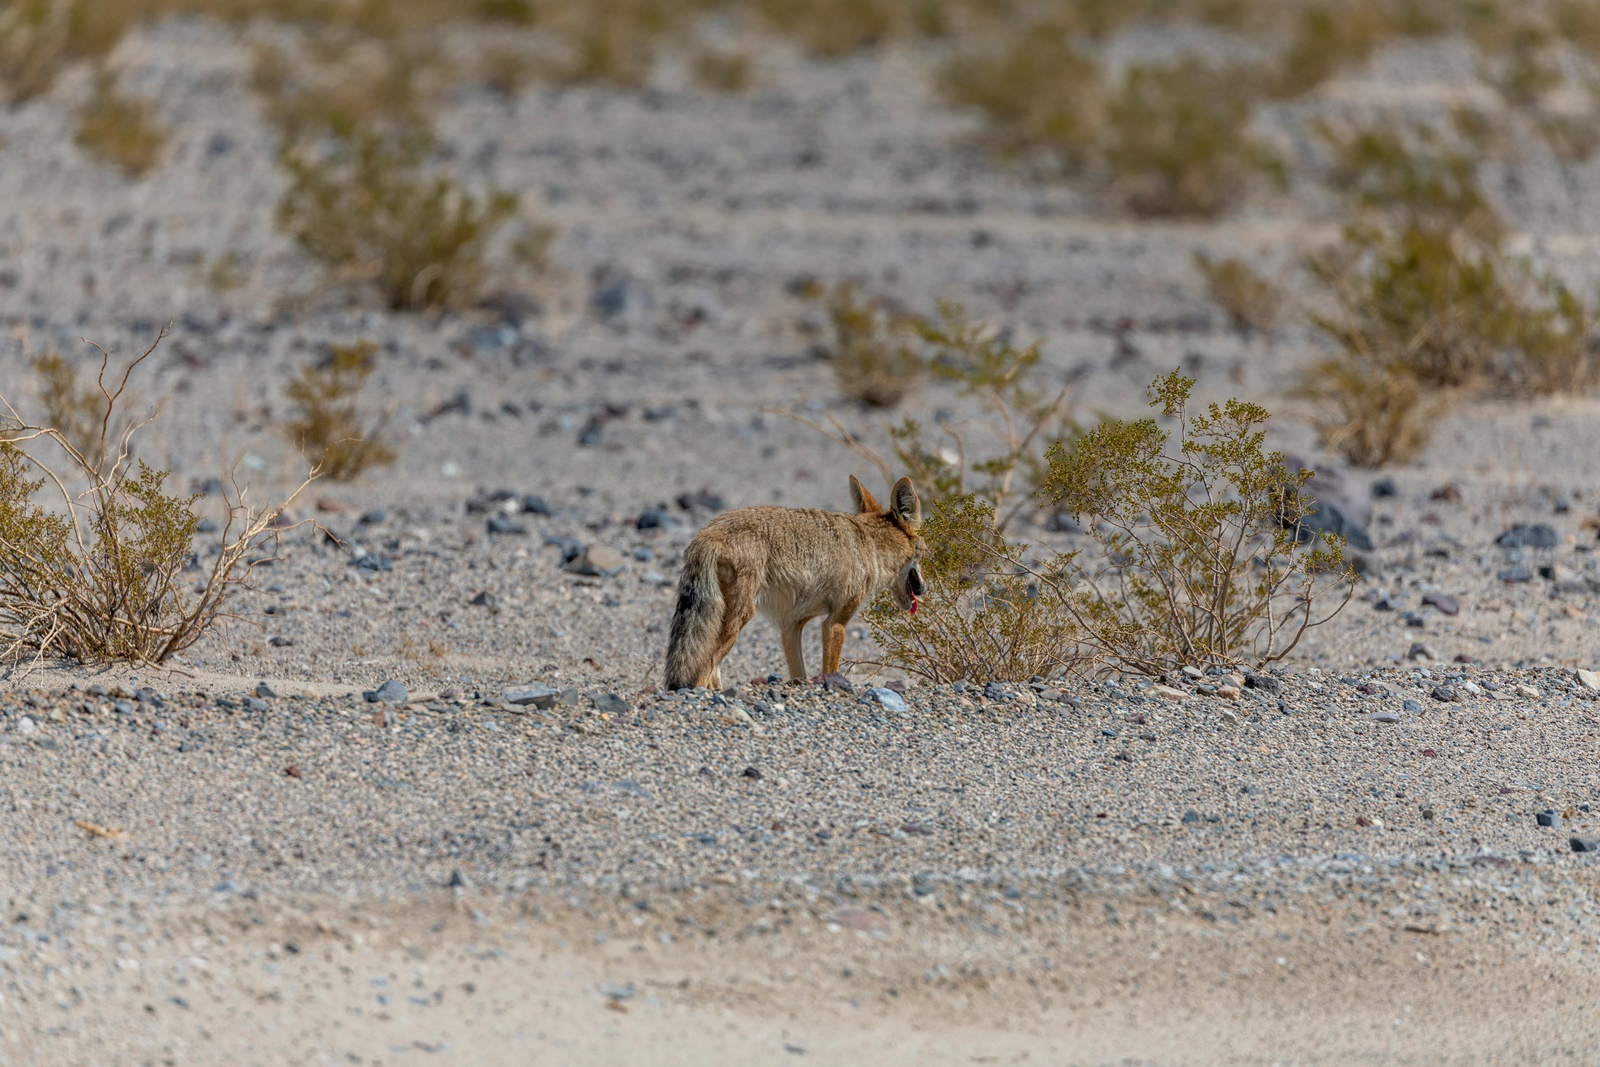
(367, 209)
(1195, 559)
(328, 428)
(94, 549)
(120, 130)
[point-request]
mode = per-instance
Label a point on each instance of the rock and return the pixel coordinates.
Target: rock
(1194, 672)
(1418, 650)
(505, 524)
(1526, 691)
(390, 692)
(1514, 575)
(1445, 603)
(835, 683)
(1445, 693)
(1384, 716)
(571, 548)
(1410, 705)
(610, 704)
(458, 880)
(1229, 692)
(371, 561)
(533, 504)
(1264, 682)
(1167, 692)
(704, 500)
(1547, 817)
(279, 641)
(1384, 488)
(256, 704)
(485, 599)
(657, 518)
(599, 561)
(1338, 508)
(1191, 817)
(887, 698)
(1589, 680)
(542, 697)
(621, 299)
(1536, 535)
(1585, 844)
(1063, 522)
(751, 773)
(264, 690)
(861, 920)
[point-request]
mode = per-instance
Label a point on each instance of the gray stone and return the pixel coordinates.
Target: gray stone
(1264, 682)
(264, 690)
(1547, 817)
(505, 524)
(1445, 603)
(888, 699)
(390, 692)
(1384, 716)
(1536, 535)
(1410, 705)
(542, 697)
(610, 704)
(1585, 844)
(1514, 575)
(598, 561)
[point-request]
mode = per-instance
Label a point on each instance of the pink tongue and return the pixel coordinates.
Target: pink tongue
(914, 603)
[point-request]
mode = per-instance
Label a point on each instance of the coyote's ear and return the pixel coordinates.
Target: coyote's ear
(904, 503)
(862, 499)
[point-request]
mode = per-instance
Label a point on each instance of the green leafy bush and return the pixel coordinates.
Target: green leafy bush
(94, 548)
(1196, 559)
(329, 428)
(367, 209)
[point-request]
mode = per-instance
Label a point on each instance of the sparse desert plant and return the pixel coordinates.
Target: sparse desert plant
(1329, 38)
(40, 37)
(1252, 303)
(1412, 174)
(78, 414)
(982, 617)
(94, 548)
(1370, 412)
(120, 129)
(722, 70)
(1177, 139)
(367, 209)
(1196, 560)
(1039, 92)
(329, 428)
(875, 355)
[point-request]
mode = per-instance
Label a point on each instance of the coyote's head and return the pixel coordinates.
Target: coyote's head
(896, 537)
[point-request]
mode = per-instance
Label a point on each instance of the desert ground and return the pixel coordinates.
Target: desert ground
(251, 855)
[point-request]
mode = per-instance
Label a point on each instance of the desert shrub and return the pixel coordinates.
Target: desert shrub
(1039, 91)
(723, 71)
(1370, 412)
(94, 548)
(367, 209)
(1412, 175)
(1329, 38)
(982, 617)
(1252, 303)
(1195, 559)
(1178, 142)
(40, 37)
(120, 130)
(78, 414)
(875, 356)
(329, 428)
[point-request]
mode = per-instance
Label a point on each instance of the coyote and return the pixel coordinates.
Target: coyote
(792, 565)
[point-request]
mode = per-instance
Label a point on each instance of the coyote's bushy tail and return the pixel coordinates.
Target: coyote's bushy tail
(697, 620)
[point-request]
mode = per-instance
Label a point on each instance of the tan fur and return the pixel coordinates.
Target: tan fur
(792, 565)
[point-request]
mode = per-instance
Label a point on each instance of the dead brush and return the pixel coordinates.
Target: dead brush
(120, 129)
(1252, 303)
(95, 552)
(875, 352)
(329, 428)
(38, 38)
(1371, 412)
(367, 209)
